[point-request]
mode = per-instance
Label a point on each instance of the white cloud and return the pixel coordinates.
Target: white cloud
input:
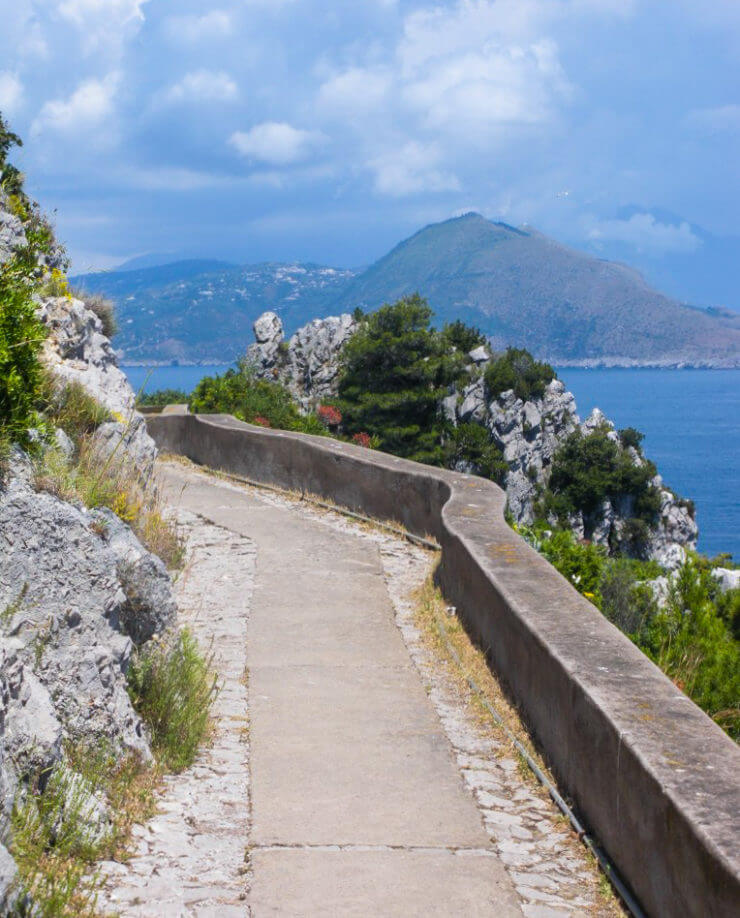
(11, 93)
(196, 29)
(482, 64)
(495, 87)
(88, 106)
(276, 143)
(411, 169)
(103, 24)
(354, 91)
(714, 120)
(646, 234)
(203, 86)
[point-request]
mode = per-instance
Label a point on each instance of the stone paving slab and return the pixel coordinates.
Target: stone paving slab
(391, 884)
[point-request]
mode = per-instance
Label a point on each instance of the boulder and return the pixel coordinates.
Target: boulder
(78, 351)
(727, 578)
(479, 354)
(149, 608)
(308, 365)
(268, 328)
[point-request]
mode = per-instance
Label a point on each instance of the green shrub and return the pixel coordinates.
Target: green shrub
(173, 686)
(76, 411)
(53, 842)
(11, 180)
(518, 370)
(692, 644)
(21, 337)
(462, 337)
(629, 437)
(626, 603)
(471, 443)
(240, 393)
(161, 397)
(693, 638)
(395, 371)
(590, 468)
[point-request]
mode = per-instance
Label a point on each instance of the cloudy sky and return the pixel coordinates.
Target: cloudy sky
(327, 131)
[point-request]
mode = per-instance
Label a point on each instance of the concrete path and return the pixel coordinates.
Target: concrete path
(357, 803)
(367, 783)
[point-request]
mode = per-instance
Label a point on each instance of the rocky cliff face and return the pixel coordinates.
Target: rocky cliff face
(527, 433)
(308, 364)
(77, 589)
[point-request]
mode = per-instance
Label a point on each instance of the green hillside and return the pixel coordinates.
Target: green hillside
(518, 286)
(522, 287)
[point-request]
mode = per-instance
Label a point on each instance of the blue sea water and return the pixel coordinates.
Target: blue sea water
(690, 418)
(691, 422)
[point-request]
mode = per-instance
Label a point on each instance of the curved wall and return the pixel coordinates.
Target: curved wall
(652, 776)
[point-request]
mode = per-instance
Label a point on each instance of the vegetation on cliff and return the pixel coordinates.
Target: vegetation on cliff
(395, 371)
(253, 400)
(687, 626)
(76, 803)
(592, 468)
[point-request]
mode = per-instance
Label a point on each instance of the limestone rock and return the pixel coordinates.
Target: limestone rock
(309, 364)
(78, 351)
(728, 579)
(65, 614)
(480, 354)
(149, 608)
(12, 235)
(268, 328)
(8, 873)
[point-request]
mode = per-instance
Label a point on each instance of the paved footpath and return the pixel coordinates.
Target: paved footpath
(357, 802)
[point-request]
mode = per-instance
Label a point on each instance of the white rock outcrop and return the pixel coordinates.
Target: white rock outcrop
(527, 433)
(308, 364)
(76, 350)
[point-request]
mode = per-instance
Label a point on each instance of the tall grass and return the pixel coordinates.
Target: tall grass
(77, 412)
(54, 841)
(110, 480)
(173, 685)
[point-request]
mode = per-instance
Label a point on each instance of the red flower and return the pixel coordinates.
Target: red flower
(329, 415)
(262, 422)
(362, 439)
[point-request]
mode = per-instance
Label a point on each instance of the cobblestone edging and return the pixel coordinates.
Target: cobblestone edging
(190, 858)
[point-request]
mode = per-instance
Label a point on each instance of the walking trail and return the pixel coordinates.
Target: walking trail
(346, 777)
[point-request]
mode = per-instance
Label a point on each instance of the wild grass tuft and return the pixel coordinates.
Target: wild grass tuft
(173, 685)
(103, 309)
(54, 840)
(112, 481)
(76, 411)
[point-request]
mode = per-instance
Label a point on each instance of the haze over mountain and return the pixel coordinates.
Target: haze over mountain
(517, 285)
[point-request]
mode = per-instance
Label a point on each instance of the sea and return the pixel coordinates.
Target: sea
(690, 418)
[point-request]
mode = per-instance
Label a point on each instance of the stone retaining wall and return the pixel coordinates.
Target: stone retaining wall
(656, 781)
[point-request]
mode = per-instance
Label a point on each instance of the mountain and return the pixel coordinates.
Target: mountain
(202, 311)
(516, 284)
(519, 286)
